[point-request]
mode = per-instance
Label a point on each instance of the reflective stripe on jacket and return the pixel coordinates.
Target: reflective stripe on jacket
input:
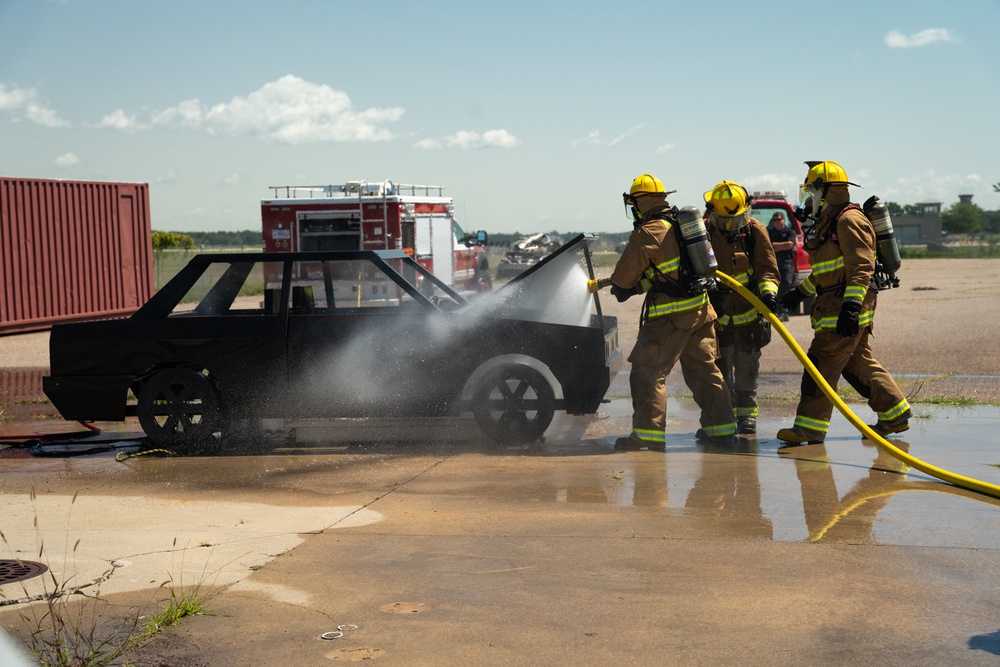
(761, 269)
(654, 244)
(842, 266)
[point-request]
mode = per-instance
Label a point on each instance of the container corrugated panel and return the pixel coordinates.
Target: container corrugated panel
(71, 251)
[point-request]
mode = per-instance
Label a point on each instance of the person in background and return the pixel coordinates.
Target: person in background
(783, 241)
(677, 324)
(744, 253)
(841, 249)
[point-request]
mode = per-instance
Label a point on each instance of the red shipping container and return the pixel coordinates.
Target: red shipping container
(71, 251)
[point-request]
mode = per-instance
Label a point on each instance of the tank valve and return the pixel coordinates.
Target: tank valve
(598, 284)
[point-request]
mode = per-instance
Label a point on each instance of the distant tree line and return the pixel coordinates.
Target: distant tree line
(959, 218)
(248, 239)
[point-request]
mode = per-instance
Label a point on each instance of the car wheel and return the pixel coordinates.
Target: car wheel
(513, 405)
(179, 407)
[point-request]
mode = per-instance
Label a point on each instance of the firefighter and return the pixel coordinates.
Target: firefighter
(841, 248)
(743, 251)
(677, 323)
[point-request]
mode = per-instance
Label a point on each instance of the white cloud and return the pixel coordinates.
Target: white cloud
(488, 139)
(897, 40)
(67, 160)
(232, 179)
(428, 144)
(169, 176)
(119, 120)
(594, 138)
(500, 139)
(665, 148)
(289, 110)
(25, 103)
(928, 186)
(784, 182)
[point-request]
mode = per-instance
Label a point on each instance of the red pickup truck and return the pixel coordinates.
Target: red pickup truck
(764, 205)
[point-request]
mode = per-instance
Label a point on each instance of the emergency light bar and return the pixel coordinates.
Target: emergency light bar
(769, 194)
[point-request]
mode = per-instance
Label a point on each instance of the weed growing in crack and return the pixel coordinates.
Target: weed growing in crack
(62, 622)
(69, 625)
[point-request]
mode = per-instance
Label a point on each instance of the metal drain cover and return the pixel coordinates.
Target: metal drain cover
(18, 570)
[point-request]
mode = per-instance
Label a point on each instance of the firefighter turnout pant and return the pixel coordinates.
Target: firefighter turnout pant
(739, 362)
(659, 346)
(851, 357)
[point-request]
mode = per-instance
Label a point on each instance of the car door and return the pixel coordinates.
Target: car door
(362, 344)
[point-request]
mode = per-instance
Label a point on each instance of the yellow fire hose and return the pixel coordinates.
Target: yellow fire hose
(950, 477)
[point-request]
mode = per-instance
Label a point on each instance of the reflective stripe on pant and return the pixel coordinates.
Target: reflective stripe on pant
(740, 366)
(835, 355)
(658, 347)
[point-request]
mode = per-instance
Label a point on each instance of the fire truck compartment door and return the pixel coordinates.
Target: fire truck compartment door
(436, 239)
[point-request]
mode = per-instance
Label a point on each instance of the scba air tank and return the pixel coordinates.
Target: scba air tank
(694, 235)
(887, 250)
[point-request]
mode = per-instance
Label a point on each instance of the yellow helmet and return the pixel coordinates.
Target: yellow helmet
(826, 173)
(728, 199)
(647, 184)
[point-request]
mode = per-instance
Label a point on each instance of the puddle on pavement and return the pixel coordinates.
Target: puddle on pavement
(845, 491)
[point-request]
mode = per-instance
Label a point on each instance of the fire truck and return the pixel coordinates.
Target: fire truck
(363, 215)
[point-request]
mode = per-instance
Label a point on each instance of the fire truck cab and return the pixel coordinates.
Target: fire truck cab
(362, 215)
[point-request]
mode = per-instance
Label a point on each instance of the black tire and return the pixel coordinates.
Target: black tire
(513, 405)
(180, 408)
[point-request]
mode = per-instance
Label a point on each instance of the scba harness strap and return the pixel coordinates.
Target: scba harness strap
(881, 279)
(687, 286)
(689, 283)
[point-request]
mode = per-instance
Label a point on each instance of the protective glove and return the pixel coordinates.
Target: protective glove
(792, 299)
(623, 294)
(847, 322)
(770, 301)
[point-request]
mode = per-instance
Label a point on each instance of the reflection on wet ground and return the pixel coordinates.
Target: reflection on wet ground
(705, 555)
(846, 490)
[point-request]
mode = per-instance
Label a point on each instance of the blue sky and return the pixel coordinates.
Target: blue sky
(534, 116)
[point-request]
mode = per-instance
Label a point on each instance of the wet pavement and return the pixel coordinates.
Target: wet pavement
(442, 550)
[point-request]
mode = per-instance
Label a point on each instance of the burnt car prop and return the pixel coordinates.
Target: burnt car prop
(525, 253)
(342, 334)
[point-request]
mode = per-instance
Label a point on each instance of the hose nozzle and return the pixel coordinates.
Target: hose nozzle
(598, 284)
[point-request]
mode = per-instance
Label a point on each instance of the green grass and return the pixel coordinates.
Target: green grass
(180, 605)
(66, 625)
(956, 401)
(986, 251)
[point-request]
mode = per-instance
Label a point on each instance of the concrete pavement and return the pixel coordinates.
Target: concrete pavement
(565, 553)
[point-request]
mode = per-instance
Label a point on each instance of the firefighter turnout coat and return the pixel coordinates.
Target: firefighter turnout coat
(842, 257)
(751, 262)
(747, 256)
(673, 327)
